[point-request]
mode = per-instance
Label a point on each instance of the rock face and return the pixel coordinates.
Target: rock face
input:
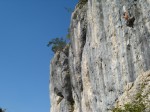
(137, 92)
(104, 57)
(61, 91)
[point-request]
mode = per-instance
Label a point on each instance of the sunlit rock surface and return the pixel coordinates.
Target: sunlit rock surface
(137, 91)
(104, 56)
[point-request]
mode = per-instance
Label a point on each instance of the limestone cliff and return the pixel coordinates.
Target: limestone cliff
(105, 56)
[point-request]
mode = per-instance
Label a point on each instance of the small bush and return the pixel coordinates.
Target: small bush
(131, 107)
(82, 3)
(57, 44)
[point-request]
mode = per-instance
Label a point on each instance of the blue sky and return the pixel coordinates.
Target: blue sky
(26, 26)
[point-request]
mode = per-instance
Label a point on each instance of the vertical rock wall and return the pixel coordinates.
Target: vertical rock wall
(60, 83)
(104, 56)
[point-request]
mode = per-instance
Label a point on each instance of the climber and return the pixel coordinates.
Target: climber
(129, 20)
(125, 16)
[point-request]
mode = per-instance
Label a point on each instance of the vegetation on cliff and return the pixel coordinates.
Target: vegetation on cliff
(131, 107)
(57, 44)
(139, 101)
(82, 3)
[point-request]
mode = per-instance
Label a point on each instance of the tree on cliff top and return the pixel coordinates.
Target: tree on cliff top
(57, 44)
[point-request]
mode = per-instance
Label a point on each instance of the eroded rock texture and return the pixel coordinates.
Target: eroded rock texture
(60, 83)
(105, 55)
(137, 92)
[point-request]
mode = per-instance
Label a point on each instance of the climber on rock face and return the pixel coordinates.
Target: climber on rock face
(125, 16)
(129, 20)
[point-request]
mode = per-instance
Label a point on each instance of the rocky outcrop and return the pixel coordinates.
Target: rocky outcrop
(104, 57)
(60, 87)
(136, 93)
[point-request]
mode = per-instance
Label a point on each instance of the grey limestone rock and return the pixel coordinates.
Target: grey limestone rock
(104, 57)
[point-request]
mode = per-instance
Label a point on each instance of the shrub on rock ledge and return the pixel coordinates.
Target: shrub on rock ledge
(57, 44)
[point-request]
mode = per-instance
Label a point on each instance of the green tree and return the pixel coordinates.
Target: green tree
(57, 44)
